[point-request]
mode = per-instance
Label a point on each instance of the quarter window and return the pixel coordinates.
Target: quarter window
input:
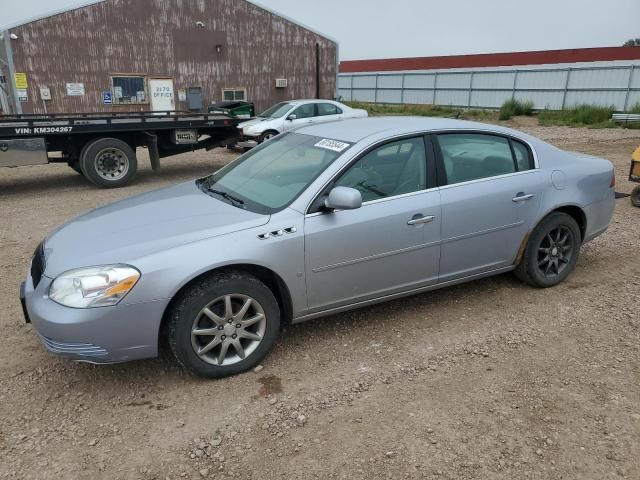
(523, 156)
(471, 156)
(304, 111)
(393, 169)
(328, 109)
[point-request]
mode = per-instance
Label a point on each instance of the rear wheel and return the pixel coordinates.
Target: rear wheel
(223, 325)
(552, 251)
(108, 162)
(635, 196)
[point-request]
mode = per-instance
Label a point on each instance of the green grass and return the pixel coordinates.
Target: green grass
(578, 116)
(420, 110)
(635, 108)
(513, 108)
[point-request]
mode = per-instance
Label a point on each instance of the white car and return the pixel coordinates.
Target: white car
(286, 116)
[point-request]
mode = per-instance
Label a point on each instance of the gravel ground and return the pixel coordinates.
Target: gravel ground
(488, 380)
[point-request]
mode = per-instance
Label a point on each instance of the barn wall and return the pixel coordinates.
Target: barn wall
(160, 39)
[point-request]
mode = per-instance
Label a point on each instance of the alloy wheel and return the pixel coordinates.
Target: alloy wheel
(555, 251)
(228, 329)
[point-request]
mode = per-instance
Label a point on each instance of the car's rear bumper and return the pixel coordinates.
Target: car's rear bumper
(99, 335)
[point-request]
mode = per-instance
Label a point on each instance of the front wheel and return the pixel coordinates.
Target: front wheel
(108, 162)
(223, 325)
(268, 135)
(552, 251)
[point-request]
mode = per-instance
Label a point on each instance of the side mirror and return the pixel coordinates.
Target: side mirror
(343, 198)
(292, 117)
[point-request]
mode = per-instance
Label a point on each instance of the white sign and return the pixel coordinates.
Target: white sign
(162, 96)
(45, 93)
(182, 95)
(117, 92)
(75, 89)
(334, 145)
(22, 94)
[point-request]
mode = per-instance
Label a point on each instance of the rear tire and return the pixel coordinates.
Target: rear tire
(223, 325)
(108, 163)
(552, 251)
(635, 197)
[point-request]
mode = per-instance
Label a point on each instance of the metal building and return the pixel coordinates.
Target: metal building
(552, 79)
(130, 55)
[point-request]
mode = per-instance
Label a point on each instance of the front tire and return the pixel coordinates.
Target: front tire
(268, 135)
(223, 325)
(108, 163)
(552, 251)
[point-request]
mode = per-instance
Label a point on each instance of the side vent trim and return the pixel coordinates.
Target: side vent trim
(277, 233)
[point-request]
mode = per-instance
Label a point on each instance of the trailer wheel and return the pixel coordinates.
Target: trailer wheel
(108, 163)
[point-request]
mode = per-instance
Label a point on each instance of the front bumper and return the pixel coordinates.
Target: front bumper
(247, 141)
(114, 334)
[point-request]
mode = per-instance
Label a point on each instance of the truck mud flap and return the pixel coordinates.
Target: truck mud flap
(154, 154)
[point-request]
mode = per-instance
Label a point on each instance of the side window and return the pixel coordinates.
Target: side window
(304, 111)
(523, 156)
(328, 109)
(393, 169)
(471, 156)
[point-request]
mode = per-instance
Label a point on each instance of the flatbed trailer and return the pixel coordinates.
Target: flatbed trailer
(102, 146)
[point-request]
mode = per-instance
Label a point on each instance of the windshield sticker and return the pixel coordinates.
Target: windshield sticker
(334, 145)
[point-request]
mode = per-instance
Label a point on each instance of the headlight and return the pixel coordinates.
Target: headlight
(94, 286)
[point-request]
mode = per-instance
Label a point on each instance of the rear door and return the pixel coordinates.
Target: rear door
(328, 112)
(490, 195)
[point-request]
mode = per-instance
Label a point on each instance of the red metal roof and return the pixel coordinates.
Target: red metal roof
(492, 59)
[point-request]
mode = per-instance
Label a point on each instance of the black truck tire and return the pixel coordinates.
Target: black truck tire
(108, 162)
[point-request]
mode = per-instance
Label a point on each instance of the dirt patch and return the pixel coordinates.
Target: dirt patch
(488, 380)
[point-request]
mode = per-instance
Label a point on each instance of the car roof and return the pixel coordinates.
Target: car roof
(357, 129)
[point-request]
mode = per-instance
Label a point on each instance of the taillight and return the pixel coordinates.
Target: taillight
(613, 180)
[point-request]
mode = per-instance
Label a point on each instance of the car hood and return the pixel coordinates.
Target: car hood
(258, 121)
(142, 225)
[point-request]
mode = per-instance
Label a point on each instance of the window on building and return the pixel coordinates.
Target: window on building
(234, 94)
(129, 90)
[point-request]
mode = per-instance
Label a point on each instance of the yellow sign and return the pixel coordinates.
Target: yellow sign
(21, 80)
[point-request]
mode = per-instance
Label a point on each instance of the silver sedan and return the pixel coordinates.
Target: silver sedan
(324, 219)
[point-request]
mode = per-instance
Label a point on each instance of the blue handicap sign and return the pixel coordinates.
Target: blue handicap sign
(107, 98)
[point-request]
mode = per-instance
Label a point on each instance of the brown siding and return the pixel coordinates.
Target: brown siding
(159, 38)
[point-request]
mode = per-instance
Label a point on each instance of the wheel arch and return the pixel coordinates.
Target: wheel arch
(271, 279)
(574, 211)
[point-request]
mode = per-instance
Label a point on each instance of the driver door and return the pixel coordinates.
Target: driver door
(390, 244)
(305, 115)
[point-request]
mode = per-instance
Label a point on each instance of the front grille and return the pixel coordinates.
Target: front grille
(37, 265)
(83, 350)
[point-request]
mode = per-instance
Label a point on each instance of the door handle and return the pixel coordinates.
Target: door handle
(521, 197)
(418, 220)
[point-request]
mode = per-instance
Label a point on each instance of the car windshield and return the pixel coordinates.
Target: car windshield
(277, 111)
(271, 176)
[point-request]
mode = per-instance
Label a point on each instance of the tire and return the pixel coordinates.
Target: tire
(108, 163)
(268, 135)
(552, 251)
(75, 166)
(635, 197)
(188, 315)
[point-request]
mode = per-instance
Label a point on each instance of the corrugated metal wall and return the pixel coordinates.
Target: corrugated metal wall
(547, 87)
(160, 38)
